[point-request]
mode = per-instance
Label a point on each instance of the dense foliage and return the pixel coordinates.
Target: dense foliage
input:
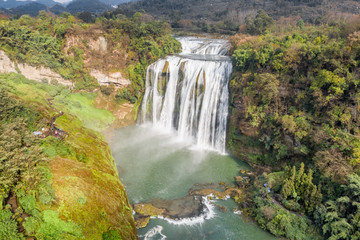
(301, 92)
(280, 222)
(21, 157)
(45, 41)
(300, 189)
(295, 96)
(40, 41)
(226, 16)
(147, 41)
(340, 217)
(24, 176)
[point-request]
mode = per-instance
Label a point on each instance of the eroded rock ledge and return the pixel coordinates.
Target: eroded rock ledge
(39, 74)
(189, 206)
(44, 74)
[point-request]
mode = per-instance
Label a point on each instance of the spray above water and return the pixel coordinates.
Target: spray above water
(189, 92)
(155, 233)
(209, 213)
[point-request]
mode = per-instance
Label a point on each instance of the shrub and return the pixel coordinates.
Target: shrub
(8, 227)
(50, 226)
(111, 235)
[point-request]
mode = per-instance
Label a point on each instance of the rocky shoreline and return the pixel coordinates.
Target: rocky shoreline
(193, 205)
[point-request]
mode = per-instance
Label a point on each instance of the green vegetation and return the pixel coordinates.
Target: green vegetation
(148, 40)
(22, 160)
(298, 187)
(339, 217)
(47, 41)
(281, 222)
(227, 17)
(50, 226)
(45, 182)
(282, 198)
(8, 226)
(299, 92)
(40, 41)
(24, 175)
(260, 23)
(302, 95)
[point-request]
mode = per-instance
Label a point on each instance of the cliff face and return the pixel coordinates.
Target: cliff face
(106, 64)
(106, 60)
(243, 136)
(90, 192)
(40, 74)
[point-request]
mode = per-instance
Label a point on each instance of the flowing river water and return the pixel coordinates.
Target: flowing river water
(179, 144)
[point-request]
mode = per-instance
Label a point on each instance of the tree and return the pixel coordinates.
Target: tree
(259, 25)
(300, 24)
(340, 218)
(86, 17)
(299, 186)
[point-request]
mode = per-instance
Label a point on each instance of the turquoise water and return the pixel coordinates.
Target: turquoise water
(153, 164)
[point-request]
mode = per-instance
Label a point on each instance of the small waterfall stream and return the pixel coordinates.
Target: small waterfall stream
(189, 92)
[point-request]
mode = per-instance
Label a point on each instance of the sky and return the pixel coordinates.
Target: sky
(60, 1)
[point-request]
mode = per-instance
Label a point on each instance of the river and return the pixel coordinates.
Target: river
(179, 144)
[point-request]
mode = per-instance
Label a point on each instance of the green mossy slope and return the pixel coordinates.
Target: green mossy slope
(80, 196)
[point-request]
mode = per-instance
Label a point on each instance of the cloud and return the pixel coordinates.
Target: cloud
(62, 1)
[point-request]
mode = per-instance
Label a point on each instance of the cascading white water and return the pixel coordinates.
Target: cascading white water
(189, 92)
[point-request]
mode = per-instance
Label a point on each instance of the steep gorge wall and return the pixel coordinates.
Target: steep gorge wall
(40, 74)
(105, 60)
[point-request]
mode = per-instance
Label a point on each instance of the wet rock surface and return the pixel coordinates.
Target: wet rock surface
(189, 206)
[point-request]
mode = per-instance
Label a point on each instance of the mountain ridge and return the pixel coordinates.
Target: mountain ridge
(10, 4)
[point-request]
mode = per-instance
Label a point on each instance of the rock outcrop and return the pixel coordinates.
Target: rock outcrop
(6, 65)
(40, 74)
(106, 79)
(102, 57)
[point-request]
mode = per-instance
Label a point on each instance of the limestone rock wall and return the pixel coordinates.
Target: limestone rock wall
(105, 79)
(30, 72)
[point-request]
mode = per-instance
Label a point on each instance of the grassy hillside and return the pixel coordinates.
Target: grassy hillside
(55, 188)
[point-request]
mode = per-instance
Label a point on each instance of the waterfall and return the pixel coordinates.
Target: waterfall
(189, 92)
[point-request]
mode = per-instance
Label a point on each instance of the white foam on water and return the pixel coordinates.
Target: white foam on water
(209, 213)
(155, 232)
(238, 212)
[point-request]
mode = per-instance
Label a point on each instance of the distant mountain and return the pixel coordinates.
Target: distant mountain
(116, 2)
(93, 6)
(7, 4)
(31, 9)
(237, 10)
(58, 9)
